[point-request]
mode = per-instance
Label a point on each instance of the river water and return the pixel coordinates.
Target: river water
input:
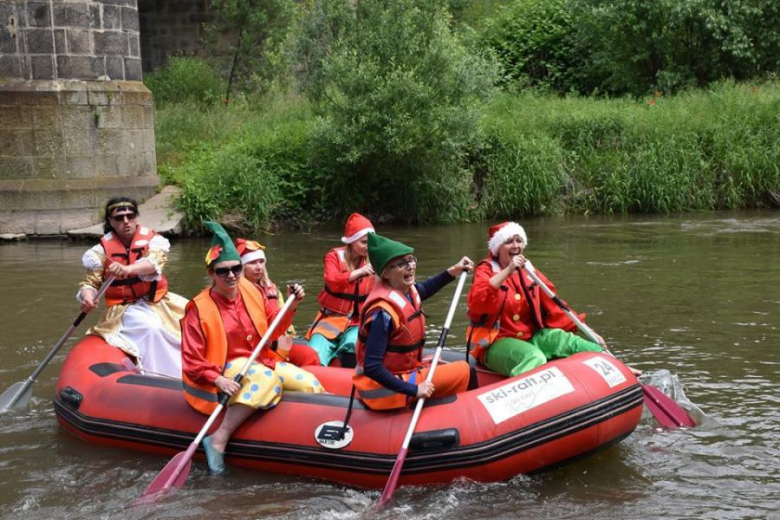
(696, 295)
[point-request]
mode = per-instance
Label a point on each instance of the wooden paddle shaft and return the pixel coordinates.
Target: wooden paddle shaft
(565, 308)
(34, 376)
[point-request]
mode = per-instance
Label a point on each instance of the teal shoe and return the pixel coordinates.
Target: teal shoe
(215, 459)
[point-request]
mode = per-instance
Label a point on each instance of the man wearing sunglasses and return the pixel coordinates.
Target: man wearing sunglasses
(142, 316)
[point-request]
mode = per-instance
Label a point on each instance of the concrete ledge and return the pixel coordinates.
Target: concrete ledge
(13, 237)
(158, 213)
(67, 146)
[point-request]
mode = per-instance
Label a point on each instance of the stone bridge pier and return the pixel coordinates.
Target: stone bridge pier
(76, 121)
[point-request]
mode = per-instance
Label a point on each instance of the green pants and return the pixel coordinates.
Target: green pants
(327, 350)
(510, 356)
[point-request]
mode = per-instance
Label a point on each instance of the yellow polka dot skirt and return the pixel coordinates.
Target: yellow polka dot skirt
(262, 387)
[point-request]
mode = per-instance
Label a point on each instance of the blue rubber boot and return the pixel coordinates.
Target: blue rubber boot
(215, 459)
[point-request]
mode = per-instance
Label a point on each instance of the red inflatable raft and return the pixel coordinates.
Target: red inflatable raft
(506, 427)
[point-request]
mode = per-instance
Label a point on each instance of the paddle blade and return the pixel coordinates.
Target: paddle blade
(392, 482)
(667, 412)
(174, 474)
(18, 396)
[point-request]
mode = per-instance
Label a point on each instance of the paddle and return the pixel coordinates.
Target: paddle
(392, 482)
(175, 473)
(19, 394)
(668, 413)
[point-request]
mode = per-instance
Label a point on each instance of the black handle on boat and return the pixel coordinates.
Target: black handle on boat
(19, 393)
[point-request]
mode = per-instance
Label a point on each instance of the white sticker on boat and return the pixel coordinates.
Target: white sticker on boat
(522, 395)
(606, 370)
(333, 435)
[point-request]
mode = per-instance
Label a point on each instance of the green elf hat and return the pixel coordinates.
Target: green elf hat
(222, 248)
(381, 250)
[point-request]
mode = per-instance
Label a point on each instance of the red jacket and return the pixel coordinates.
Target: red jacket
(339, 295)
(508, 309)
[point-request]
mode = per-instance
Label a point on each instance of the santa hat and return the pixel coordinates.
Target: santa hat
(250, 250)
(500, 233)
(357, 227)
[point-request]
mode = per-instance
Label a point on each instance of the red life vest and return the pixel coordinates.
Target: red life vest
(273, 300)
(404, 346)
(204, 397)
(131, 289)
(484, 329)
(346, 303)
(271, 297)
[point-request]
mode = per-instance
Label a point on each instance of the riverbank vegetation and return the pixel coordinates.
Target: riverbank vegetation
(422, 111)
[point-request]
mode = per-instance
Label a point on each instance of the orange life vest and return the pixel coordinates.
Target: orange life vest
(484, 329)
(204, 397)
(132, 289)
(404, 346)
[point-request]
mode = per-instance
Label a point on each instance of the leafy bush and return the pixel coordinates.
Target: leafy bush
(398, 97)
(245, 165)
(634, 46)
(185, 79)
(256, 33)
(534, 41)
(252, 165)
(231, 187)
(637, 46)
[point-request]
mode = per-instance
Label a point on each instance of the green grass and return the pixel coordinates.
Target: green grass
(717, 148)
(253, 163)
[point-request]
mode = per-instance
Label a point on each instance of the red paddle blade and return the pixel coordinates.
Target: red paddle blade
(668, 413)
(392, 482)
(174, 474)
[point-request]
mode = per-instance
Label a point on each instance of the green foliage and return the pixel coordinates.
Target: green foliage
(523, 176)
(636, 46)
(699, 150)
(320, 25)
(258, 30)
(534, 41)
(475, 13)
(185, 79)
(245, 165)
(398, 99)
(232, 187)
(181, 128)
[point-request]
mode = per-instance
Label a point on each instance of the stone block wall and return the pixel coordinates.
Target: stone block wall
(170, 28)
(70, 39)
(76, 122)
(67, 146)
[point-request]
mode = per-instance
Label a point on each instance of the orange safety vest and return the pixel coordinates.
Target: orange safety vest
(484, 329)
(404, 346)
(204, 396)
(132, 289)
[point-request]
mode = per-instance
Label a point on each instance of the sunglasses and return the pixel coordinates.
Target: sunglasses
(121, 218)
(406, 262)
(222, 272)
